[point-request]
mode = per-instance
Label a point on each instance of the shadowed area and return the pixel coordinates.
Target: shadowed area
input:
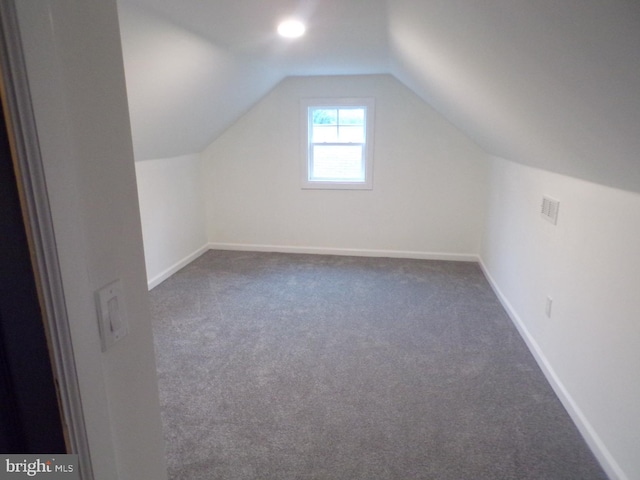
(281, 366)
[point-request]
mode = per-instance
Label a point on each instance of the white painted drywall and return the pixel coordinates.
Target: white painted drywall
(428, 178)
(172, 213)
(546, 83)
(589, 264)
(341, 37)
(183, 90)
(76, 76)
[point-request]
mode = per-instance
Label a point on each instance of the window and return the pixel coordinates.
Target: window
(337, 143)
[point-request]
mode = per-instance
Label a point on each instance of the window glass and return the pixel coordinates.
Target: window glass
(350, 134)
(325, 134)
(338, 150)
(351, 116)
(343, 162)
(324, 116)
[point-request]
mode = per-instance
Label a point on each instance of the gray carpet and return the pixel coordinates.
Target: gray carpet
(279, 366)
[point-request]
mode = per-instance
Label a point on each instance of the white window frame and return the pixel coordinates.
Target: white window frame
(306, 104)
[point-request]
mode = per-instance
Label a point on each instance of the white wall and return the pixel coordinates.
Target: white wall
(429, 179)
(76, 77)
(172, 213)
(589, 264)
(183, 90)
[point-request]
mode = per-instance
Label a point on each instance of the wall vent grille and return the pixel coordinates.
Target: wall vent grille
(549, 209)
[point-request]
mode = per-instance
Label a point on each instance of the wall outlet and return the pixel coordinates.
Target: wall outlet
(547, 308)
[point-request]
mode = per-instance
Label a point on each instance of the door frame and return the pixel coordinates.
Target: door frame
(30, 176)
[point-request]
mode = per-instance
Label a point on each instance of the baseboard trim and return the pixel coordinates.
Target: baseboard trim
(354, 252)
(597, 446)
(161, 277)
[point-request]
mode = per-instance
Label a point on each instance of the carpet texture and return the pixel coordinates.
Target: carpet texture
(281, 366)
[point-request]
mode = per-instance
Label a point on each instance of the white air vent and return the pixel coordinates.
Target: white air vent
(550, 209)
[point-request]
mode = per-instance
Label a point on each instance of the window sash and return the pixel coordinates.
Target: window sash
(345, 138)
(335, 128)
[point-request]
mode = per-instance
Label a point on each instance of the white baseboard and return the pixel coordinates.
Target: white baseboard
(161, 277)
(354, 252)
(597, 446)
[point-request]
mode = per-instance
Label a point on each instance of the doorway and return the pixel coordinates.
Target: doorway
(30, 417)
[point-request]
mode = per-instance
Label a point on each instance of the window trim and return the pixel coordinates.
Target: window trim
(305, 131)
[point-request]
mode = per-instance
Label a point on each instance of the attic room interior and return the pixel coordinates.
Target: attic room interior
(482, 110)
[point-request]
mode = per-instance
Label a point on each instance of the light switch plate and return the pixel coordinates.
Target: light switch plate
(112, 318)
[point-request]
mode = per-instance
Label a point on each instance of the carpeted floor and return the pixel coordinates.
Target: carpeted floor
(280, 366)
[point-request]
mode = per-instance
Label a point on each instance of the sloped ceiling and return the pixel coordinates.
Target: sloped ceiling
(193, 67)
(552, 84)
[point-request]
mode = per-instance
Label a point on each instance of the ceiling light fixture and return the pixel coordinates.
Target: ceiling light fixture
(291, 28)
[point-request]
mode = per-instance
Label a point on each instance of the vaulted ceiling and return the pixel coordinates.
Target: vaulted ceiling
(548, 83)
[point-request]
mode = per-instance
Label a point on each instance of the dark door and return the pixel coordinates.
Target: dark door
(29, 414)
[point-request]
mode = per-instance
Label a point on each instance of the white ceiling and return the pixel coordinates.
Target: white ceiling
(548, 83)
(343, 36)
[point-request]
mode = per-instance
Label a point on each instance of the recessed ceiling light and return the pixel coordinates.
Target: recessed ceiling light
(291, 28)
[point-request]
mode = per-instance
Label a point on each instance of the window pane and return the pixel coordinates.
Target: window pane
(324, 116)
(337, 163)
(351, 134)
(325, 134)
(351, 116)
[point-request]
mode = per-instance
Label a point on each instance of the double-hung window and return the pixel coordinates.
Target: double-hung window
(337, 143)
